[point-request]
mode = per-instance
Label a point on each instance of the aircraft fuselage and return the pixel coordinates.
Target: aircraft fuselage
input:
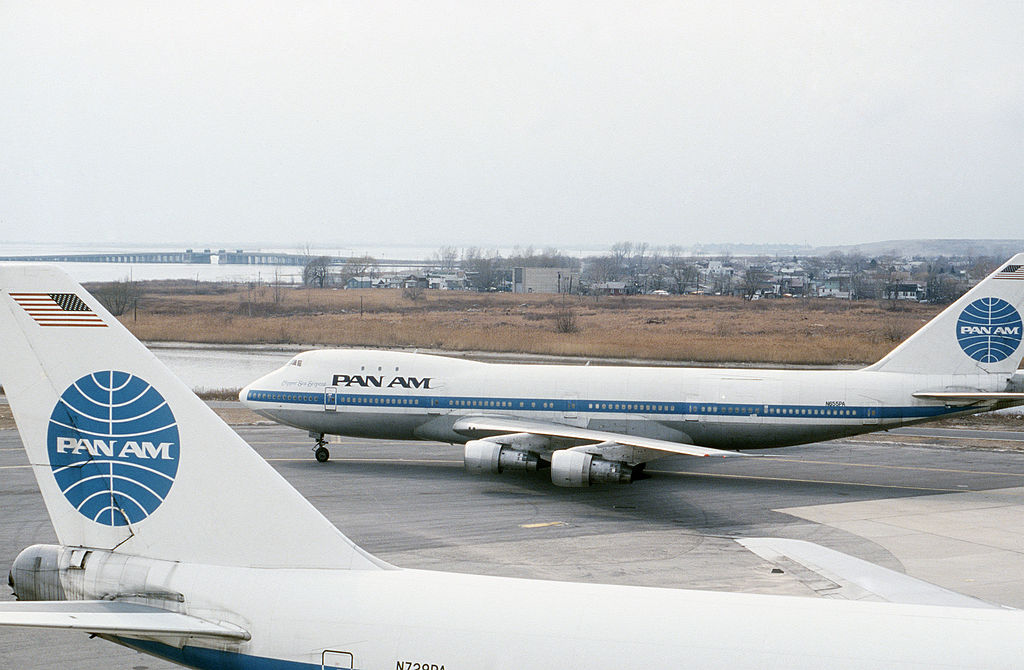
(382, 394)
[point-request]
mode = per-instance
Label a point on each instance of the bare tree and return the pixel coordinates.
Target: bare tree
(358, 266)
(682, 273)
(753, 279)
(943, 288)
(118, 296)
(446, 257)
(485, 271)
(603, 268)
(621, 252)
(640, 256)
(316, 272)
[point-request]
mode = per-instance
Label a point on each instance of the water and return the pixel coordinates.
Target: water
(286, 274)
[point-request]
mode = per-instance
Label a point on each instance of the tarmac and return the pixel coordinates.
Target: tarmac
(952, 515)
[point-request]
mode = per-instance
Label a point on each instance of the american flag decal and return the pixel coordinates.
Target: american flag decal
(58, 309)
(1011, 272)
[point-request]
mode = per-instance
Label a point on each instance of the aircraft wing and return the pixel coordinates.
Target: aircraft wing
(112, 618)
(833, 574)
(484, 426)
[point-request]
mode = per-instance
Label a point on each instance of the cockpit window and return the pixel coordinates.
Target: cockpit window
(296, 362)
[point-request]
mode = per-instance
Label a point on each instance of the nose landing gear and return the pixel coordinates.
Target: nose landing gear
(320, 449)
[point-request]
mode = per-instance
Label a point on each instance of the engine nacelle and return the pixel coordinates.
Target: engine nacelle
(576, 468)
(486, 456)
(36, 573)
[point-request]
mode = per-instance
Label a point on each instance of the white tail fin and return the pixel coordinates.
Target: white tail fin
(127, 457)
(979, 333)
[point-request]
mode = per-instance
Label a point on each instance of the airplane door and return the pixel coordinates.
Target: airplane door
(331, 398)
(869, 410)
(572, 402)
(332, 660)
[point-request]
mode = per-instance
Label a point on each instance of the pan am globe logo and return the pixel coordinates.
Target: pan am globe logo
(113, 447)
(989, 330)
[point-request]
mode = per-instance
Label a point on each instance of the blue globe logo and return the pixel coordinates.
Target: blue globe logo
(989, 330)
(113, 447)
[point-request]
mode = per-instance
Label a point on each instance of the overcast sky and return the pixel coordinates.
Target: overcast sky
(501, 123)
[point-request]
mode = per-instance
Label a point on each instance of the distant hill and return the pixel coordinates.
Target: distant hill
(929, 248)
(899, 248)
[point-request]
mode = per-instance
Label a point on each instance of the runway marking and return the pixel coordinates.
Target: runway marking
(277, 443)
(892, 467)
(806, 481)
(13, 467)
(369, 460)
(546, 524)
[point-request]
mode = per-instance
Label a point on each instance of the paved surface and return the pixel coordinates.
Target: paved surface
(927, 431)
(952, 516)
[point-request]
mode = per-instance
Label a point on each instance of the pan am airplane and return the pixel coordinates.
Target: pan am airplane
(603, 424)
(178, 540)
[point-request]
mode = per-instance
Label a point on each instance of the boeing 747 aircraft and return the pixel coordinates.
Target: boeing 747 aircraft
(603, 424)
(176, 539)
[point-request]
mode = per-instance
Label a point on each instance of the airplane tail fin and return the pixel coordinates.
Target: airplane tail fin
(979, 333)
(127, 457)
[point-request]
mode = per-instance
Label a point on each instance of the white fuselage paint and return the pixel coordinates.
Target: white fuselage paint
(395, 618)
(712, 407)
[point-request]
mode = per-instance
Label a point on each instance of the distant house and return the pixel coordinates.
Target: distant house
(837, 285)
(545, 280)
(414, 281)
(905, 291)
(610, 288)
(359, 282)
(795, 285)
(448, 281)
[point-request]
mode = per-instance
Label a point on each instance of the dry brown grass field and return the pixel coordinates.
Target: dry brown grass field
(676, 328)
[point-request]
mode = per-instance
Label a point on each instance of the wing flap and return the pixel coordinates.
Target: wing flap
(482, 425)
(833, 574)
(113, 618)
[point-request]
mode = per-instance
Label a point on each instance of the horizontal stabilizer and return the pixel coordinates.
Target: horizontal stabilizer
(113, 618)
(969, 397)
(834, 574)
(480, 426)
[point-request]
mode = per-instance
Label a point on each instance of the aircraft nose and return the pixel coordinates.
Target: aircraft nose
(243, 395)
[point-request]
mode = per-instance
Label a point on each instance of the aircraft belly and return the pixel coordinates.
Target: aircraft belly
(387, 425)
(734, 435)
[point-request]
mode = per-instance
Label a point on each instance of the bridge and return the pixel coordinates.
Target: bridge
(188, 256)
(206, 257)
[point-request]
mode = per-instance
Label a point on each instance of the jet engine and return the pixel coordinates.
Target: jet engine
(36, 573)
(577, 468)
(489, 456)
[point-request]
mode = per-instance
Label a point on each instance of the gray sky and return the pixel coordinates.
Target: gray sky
(499, 123)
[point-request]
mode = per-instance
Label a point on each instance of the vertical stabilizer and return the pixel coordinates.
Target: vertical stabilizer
(979, 333)
(127, 457)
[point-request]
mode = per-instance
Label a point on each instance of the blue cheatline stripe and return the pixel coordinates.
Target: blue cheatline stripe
(603, 406)
(213, 659)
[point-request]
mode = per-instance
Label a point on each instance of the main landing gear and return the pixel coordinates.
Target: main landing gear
(320, 448)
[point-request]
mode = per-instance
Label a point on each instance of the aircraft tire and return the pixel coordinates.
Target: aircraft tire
(322, 454)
